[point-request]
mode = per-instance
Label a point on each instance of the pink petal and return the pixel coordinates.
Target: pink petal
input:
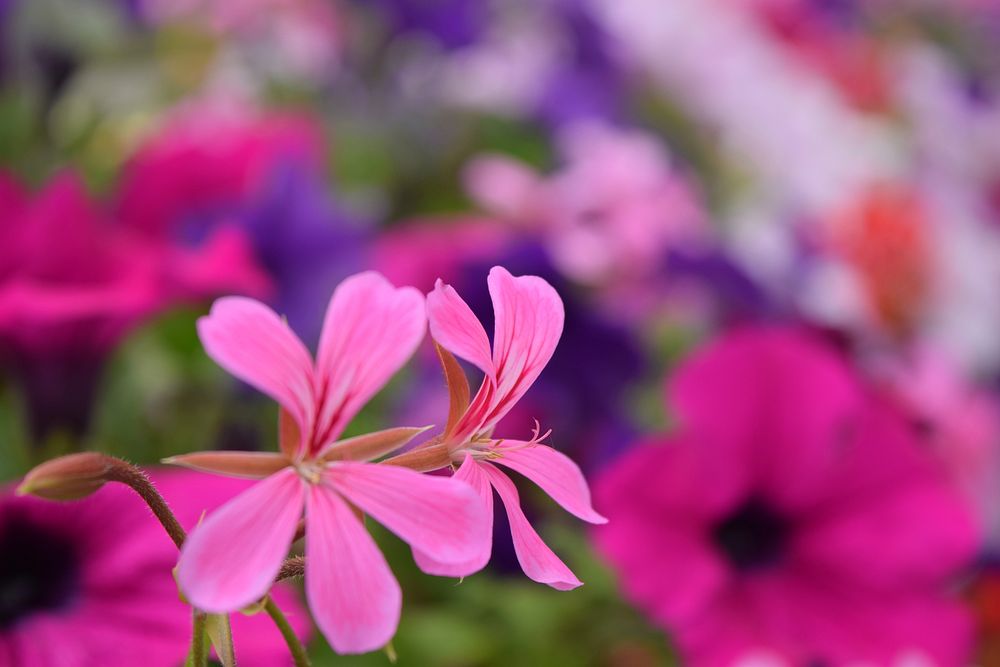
(442, 517)
(250, 341)
(231, 559)
(353, 595)
(555, 473)
(535, 557)
(456, 328)
(371, 329)
(470, 473)
(529, 318)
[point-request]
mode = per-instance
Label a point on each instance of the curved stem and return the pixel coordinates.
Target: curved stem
(296, 648)
(134, 478)
(199, 647)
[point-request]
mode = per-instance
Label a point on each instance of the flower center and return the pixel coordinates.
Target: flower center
(310, 471)
(753, 537)
(39, 570)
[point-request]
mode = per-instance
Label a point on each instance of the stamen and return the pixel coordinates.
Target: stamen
(311, 471)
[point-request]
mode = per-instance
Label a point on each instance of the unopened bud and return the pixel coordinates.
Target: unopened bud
(67, 477)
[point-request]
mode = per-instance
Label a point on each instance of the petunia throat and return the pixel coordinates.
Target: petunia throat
(39, 570)
(753, 537)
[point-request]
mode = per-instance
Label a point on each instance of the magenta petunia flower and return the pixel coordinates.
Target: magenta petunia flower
(529, 320)
(89, 582)
(371, 329)
(791, 516)
(73, 283)
(205, 157)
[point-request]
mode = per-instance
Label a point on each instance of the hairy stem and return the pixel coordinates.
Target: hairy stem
(293, 568)
(134, 478)
(298, 651)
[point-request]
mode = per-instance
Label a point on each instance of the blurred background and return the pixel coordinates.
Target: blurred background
(775, 225)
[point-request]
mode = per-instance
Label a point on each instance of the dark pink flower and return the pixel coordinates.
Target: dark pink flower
(90, 582)
(791, 516)
(73, 283)
(206, 157)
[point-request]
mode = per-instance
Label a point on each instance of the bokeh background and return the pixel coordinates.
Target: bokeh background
(775, 225)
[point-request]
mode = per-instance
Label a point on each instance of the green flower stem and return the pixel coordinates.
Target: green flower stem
(199, 647)
(296, 648)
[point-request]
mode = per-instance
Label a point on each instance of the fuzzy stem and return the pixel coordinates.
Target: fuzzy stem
(296, 648)
(294, 567)
(199, 647)
(134, 478)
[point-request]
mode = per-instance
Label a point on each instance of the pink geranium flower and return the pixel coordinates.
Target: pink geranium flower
(791, 515)
(231, 560)
(529, 320)
(89, 582)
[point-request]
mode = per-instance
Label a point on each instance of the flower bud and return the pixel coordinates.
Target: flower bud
(67, 477)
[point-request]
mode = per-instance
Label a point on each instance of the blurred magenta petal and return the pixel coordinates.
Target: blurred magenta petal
(371, 329)
(470, 473)
(803, 440)
(554, 472)
(353, 595)
(231, 559)
(439, 516)
(537, 560)
(206, 154)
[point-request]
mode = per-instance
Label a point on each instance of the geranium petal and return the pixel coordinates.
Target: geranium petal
(231, 559)
(250, 341)
(555, 473)
(535, 557)
(456, 328)
(470, 473)
(371, 329)
(529, 318)
(442, 517)
(353, 594)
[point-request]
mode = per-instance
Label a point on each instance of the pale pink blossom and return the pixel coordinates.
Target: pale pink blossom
(231, 560)
(610, 213)
(528, 323)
